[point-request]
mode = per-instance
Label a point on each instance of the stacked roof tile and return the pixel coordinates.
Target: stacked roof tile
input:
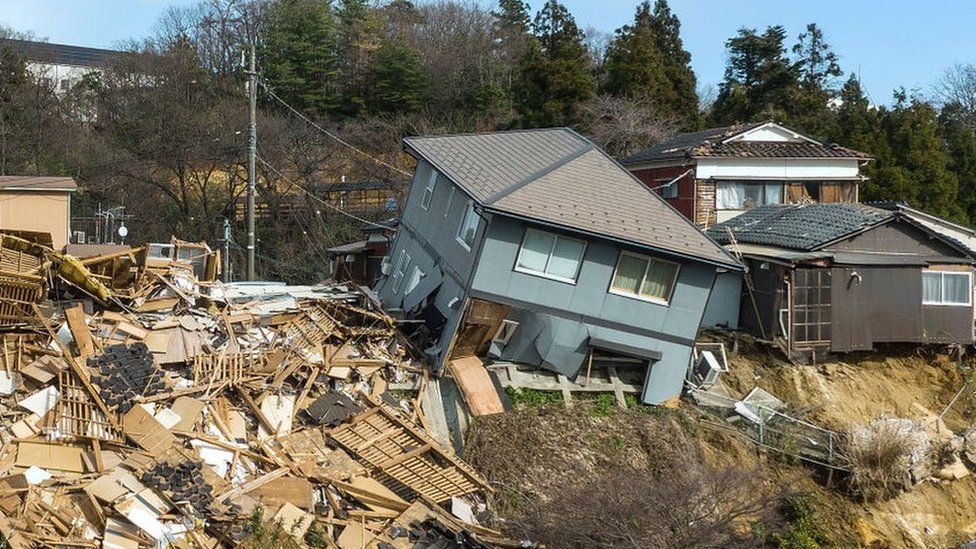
(804, 227)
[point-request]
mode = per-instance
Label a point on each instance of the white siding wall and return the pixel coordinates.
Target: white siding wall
(778, 168)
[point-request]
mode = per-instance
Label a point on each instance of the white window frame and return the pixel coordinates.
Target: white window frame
(450, 202)
(467, 209)
(505, 332)
(400, 271)
(638, 296)
(544, 274)
(943, 302)
(428, 195)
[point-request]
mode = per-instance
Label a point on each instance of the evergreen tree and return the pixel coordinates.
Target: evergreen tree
(554, 74)
(956, 130)
(677, 63)
(760, 79)
(859, 126)
(817, 67)
(359, 37)
(398, 82)
(299, 55)
(918, 170)
(646, 61)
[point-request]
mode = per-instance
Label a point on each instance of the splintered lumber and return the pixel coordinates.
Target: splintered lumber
(18, 293)
(79, 331)
(405, 458)
(476, 386)
(232, 368)
(77, 414)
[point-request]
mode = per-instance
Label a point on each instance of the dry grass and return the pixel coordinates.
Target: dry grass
(879, 457)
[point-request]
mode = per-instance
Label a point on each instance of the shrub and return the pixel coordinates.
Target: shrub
(879, 458)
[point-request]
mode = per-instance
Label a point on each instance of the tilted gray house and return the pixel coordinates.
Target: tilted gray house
(535, 247)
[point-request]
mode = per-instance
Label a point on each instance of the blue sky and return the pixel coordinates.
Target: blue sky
(889, 43)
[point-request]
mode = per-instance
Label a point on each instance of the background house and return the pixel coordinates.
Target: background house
(713, 175)
(361, 261)
(37, 204)
(537, 248)
(844, 277)
(59, 66)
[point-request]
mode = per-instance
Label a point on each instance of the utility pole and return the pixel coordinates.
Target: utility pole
(252, 150)
(226, 250)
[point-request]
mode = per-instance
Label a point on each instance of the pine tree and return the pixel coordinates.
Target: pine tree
(677, 63)
(955, 128)
(760, 80)
(918, 171)
(298, 56)
(816, 61)
(360, 36)
(554, 74)
(647, 62)
(397, 80)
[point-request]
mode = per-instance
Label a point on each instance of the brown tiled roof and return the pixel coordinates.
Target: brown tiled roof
(37, 183)
(710, 143)
(558, 177)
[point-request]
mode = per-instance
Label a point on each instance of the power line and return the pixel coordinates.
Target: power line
(330, 134)
(312, 196)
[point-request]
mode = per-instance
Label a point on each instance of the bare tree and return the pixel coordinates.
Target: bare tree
(958, 86)
(622, 126)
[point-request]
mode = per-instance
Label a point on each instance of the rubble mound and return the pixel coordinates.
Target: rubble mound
(148, 404)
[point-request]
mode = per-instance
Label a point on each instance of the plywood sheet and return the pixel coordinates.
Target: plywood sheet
(476, 386)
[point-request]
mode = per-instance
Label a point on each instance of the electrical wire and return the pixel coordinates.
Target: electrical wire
(312, 196)
(330, 134)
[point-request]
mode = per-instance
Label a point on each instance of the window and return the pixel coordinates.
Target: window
(414, 280)
(668, 190)
(429, 190)
(550, 255)
(644, 277)
(743, 195)
(469, 227)
(401, 269)
(946, 288)
(450, 202)
(505, 332)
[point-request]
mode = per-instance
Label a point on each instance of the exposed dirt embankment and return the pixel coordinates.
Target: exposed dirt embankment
(553, 466)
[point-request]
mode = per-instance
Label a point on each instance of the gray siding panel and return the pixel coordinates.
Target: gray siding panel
(723, 304)
(563, 315)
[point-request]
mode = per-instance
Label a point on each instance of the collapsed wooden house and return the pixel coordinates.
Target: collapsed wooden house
(844, 277)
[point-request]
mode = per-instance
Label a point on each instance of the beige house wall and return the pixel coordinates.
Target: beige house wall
(44, 211)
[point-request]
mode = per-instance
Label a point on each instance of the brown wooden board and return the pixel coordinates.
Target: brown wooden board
(476, 386)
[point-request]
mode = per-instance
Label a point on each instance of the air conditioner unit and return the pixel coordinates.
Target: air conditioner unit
(385, 266)
(78, 237)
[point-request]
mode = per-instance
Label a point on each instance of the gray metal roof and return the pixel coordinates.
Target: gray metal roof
(804, 227)
(60, 54)
(37, 183)
(558, 177)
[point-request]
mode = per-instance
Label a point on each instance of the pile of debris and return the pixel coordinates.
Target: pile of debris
(146, 404)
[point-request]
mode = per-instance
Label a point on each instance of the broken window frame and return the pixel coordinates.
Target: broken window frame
(469, 222)
(505, 332)
(552, 248)
(943, 300)
(428, 195)
(643, 279)
(450, 202)
(399, 272)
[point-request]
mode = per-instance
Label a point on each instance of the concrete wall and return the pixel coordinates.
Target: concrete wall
(46, 212)
(564, 315)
